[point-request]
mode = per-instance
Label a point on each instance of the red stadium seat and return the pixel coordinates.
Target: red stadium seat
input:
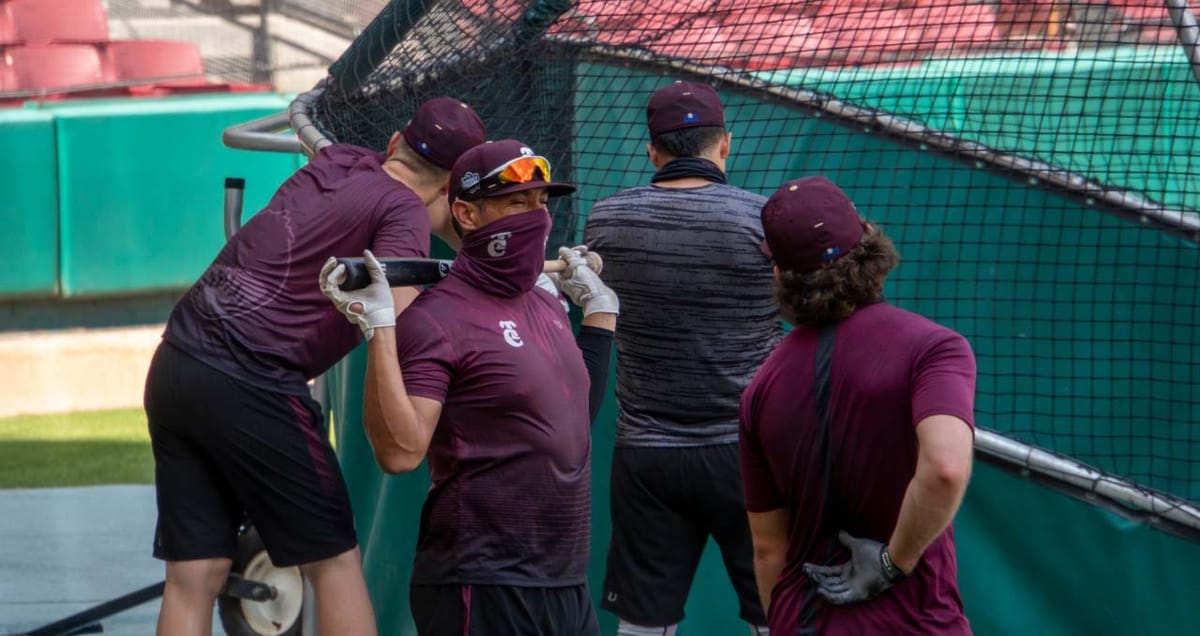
(44, 21)
(153, 60)
(7, 34)
(54, 66)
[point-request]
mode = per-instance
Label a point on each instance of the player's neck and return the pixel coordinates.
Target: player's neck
(398, 171)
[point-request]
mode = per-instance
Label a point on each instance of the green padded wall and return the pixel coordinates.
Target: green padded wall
(28, 203)
(141, 187)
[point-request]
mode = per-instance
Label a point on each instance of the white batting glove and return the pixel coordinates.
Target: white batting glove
(369, 307)
(584, 287)
(594, 262)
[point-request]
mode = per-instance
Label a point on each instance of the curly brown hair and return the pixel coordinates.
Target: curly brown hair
(831, 292)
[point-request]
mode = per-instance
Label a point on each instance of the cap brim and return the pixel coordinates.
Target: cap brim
(553, 188)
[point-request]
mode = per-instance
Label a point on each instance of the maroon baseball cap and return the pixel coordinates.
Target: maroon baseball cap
(683, 105)
(809, 222)
(442, 129)
(501, 167)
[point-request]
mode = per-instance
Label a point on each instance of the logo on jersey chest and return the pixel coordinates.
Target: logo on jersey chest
(510, 333)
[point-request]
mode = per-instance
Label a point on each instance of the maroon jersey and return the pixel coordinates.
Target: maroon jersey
(890, 369)
(510, 502)
(257, 313)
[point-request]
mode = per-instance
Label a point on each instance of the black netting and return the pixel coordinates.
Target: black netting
(1034, 161)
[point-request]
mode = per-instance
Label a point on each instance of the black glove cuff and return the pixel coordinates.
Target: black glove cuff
(892, 573)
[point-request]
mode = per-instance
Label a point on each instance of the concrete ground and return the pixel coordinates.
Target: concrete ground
(63, 550)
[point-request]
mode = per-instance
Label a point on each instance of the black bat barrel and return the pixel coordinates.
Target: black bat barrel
(401, 272)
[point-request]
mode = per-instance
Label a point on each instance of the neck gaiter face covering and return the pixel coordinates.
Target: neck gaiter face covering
(689, 167)
(505, 257)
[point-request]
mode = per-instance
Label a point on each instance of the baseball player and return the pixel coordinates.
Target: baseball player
(856, 435)
(483, 376)
(697, 321)
(232, 425)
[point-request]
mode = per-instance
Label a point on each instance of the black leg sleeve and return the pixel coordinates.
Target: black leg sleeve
(596, 345)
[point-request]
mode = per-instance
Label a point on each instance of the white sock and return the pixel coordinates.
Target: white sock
(629, 629)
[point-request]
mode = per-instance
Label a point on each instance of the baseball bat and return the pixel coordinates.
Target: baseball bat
(406, 272)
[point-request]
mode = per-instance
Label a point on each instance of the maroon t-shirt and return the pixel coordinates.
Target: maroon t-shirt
(890, 369)
(257, 312)
(510, 461)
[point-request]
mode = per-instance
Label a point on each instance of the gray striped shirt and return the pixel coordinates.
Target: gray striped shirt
(697, 314)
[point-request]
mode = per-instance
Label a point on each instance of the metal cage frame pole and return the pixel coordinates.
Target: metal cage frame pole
(1081, 481)
(1189, 33)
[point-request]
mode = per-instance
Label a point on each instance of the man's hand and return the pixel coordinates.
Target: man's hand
(584, 287)
(869, 572)
(594, 262)
(369, 307)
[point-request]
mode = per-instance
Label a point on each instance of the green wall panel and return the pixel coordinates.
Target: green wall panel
(1032, 561)
(141, 187)
(28, 203)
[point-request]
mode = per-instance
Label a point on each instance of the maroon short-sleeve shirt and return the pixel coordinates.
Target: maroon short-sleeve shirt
(890, 369)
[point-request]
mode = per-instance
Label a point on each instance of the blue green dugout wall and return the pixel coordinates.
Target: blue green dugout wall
(119, 197)
(1031, 561)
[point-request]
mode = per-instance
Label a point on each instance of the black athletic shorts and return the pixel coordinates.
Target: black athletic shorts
(665, 503)
(223, 447)
(500, 610)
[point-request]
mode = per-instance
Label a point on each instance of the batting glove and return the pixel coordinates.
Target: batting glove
(594, 262)
(867, 574)
(584, 287)
(369, 307)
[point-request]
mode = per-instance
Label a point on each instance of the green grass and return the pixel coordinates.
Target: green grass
(75, 449)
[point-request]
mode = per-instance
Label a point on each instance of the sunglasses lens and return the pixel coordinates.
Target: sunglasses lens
(525, 170)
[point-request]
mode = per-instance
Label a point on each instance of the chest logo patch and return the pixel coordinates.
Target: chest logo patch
(510, 333)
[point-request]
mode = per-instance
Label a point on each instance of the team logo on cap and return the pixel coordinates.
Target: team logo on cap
(690, 118)
(526, 151)
(423, 147)
(469, 180)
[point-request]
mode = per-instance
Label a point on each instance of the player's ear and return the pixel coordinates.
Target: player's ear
(466, 215)
(726, 144)
(391, 147)
(652, 153)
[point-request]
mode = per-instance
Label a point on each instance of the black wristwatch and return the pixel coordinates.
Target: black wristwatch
(892, 573)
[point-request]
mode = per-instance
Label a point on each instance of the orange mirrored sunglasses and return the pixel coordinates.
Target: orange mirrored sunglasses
(521, 170)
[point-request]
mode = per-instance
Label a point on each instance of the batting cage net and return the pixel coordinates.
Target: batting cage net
(1035, 162)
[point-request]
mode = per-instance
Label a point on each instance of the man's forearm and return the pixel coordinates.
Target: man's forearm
(768, 567)
(927, 510)
(389, 417)
(600, 321)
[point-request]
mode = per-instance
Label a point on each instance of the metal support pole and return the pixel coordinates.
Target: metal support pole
(1189, 33)
(262, 134)
(263, 56)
